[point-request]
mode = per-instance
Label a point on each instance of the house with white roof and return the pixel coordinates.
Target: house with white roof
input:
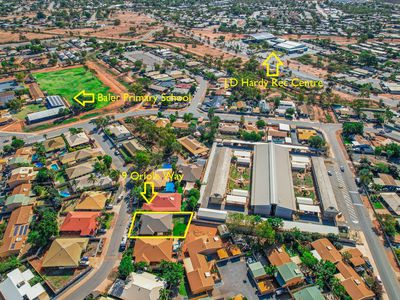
(16, 287)
(140, 285)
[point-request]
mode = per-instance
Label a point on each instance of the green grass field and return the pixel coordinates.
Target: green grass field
(69, 82)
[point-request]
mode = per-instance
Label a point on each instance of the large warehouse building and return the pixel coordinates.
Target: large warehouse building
(324, 188)
(272, 184)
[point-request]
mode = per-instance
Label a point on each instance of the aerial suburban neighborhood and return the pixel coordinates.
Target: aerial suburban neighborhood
(233, 149)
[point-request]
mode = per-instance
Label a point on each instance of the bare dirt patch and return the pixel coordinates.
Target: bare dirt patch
(132, 25)
(209, 33)
(7, 36)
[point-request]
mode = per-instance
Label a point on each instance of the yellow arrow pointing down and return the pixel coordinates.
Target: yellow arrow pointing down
(153, 193)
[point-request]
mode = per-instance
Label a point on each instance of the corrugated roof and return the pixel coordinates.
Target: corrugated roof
(272, 177)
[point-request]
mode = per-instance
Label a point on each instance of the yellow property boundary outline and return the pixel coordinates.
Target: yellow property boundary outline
(160, 213)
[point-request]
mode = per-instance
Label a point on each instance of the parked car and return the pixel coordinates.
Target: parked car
(122, 245)
(329, 173)
(342, 168)
(102, 231)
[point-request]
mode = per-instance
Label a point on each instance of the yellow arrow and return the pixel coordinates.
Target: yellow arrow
(266, 63)
(153, 193)
(84, 95)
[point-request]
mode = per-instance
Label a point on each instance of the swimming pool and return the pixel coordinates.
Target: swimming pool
(64, 193)
(38, 164)
(55, 167)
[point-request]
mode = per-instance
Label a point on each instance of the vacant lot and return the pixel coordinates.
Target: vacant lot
(69, 82)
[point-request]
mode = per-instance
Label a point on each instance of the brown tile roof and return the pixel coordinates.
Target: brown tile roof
(193, 146)
(353, 283)
(23, 189)
(387, 179)
(152, 250)
(196, 266)
(279, 257)
(180, 125)
(17, 231)
(326, 250)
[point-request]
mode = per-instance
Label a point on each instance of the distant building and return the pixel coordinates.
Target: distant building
(291, 47)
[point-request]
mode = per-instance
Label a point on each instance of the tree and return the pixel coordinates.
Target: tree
(367, 58)
(44, 175)
(17, 143)
(107, 159)
(117, 22)
(309, 260)
(141, 159)
(265, 232)
(316, 142)
(260, 124)
(187, 117)
(171, 272)
(275, 222)
(16, 104)
(325, 270)
(44, 228)
(350, 128)
(140, 266)
(125, 267)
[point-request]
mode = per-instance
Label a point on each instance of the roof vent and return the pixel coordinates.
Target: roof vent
(280, 250)
(207, 274)
(329, 247)
(357, 281)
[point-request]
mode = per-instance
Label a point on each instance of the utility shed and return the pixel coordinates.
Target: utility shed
(324, 188)
(272, 184)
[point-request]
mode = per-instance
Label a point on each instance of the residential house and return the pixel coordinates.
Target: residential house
(227, 128)
(22, 189)
(131, 147)
(17, 161)
(198, 268)
(87, 182)
(165, 202)
(190, 172)
(289, 274)
(16, 286)
(326, 250)
(153, 251)
(80, 223)
(76, 157)
(54, 144)
(17, 179)
(15, 201)
(92, 200)
(77, 139)
(118, 132)
(179, 124)
(65, 253)
(278, 257)
(155, 224)
(138, 285)
(80, 170)
(392, 201)
(304, 135)
(257, 271)
(161, 178)
(356, 257)
(193, 146)
(387, 182)
(353, 283)
(16, 232)
(309, 293)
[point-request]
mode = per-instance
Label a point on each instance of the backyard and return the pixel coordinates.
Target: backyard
(239, 177)
(179, 226)
(69, 82)
(303, 185)
(31, 108)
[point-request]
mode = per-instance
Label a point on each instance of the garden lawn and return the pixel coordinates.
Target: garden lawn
(70, 82)
(21, 115)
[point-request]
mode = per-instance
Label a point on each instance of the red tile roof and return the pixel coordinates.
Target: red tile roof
(83, 223)
(165, 202)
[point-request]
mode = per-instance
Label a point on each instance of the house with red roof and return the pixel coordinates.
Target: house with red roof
(165, 202)
(80, 223)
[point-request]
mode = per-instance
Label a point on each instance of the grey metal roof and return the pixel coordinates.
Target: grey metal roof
(221, 178)
(326, 194)
(54, 101)
(262, 36)
(52, 112)
(272, 181)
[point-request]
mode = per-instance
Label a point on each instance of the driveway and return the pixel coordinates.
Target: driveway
(235, 280)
